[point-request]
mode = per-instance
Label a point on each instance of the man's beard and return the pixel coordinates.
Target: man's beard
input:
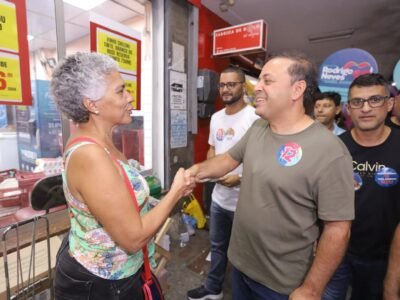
(233, 100)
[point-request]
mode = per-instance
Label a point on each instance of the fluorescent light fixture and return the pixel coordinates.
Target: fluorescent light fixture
(85, 4)
(394, 83)
(330, 36)
(30, 37)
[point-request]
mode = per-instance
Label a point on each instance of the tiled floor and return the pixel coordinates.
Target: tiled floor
(188, 267)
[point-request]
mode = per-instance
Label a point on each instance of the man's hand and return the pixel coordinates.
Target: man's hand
(190, 176)
(304, 293)
(230, 180)
(391, 294)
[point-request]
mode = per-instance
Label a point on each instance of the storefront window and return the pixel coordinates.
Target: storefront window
(28, 133)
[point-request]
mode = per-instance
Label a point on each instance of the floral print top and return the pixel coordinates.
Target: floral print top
(90, 244)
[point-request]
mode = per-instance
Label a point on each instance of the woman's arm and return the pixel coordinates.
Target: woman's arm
(96, 180)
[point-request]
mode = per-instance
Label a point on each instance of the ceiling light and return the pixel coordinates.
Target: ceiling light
(30, 37)
(330, 36)
(85, 4)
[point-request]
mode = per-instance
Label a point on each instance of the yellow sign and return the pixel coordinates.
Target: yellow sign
(122, 50)
(131, 87)
(8, 27)
(10, 79)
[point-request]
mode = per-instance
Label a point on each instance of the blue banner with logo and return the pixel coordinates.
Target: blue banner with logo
(338, 71)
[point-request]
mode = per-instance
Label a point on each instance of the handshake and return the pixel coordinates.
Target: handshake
(185, 180)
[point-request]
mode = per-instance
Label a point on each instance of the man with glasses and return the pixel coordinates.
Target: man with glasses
(227, 127)
(375, 150)
(294, 173)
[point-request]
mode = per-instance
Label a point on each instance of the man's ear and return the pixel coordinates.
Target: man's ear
(390, 104)
(346, 108)
(338, 110)
(298, 89)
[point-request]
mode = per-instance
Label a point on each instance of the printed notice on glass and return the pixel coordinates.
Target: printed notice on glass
(123, 50)
(178, 129)
(178, 57)
(178, 93)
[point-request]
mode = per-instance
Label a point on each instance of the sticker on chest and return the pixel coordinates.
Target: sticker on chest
(289, 154)
(357, 181)
(386, 177)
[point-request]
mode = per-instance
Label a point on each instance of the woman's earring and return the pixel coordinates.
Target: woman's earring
(96, 112)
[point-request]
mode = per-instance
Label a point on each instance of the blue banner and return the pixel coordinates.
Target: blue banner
(339, 70)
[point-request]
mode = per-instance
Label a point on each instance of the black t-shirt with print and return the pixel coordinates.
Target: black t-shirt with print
(377, 195)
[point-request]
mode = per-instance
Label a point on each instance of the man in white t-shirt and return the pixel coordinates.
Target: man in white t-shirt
(226, 129)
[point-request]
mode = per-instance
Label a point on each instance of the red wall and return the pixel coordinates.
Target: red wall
(208, 22)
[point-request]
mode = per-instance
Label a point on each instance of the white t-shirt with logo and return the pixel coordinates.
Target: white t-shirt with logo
(226, 131)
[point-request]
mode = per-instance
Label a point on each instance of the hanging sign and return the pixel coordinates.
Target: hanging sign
(123, 44)
(14, 57)
(240, 39)
(339, 70)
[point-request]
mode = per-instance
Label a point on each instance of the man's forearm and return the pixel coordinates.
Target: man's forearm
(215, 167)
(330, 251)
(392, 280)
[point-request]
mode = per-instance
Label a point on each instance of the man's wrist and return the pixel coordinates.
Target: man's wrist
(311, 289)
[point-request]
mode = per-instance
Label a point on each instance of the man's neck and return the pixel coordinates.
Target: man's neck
(395, 120)
(293, 125)
(330, 126)
(371, 138)
(235, 107)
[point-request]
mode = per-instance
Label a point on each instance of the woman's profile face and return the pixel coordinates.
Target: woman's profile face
(115, 106)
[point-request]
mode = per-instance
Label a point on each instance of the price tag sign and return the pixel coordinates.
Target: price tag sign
(8, 27)
(10, 79)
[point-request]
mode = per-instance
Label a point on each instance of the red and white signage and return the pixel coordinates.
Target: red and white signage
(244, 38)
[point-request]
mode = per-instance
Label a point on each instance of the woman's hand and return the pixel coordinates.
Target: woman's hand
(182, 184)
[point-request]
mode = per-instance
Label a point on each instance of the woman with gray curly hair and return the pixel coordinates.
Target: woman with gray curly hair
(105, 253)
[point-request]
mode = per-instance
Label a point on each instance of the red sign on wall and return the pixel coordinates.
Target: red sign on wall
(123, 44)
(15, 85)
(245, 38)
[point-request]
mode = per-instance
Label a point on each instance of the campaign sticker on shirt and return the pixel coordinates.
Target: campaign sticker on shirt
(386, 177)
(289, 154)
(357, 181)
(220, 134)
(229, 133)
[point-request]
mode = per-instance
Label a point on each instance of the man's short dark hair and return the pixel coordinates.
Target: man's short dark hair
(333, 96)
(236, 70)
(302, 69)
(371, 79)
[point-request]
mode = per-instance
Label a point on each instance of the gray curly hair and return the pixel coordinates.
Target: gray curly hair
(77, 76)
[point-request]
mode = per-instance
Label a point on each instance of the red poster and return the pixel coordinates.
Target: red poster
(15, 86)
(124, 46)
(244, 38)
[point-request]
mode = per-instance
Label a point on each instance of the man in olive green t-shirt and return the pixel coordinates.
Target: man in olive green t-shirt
(294, 173)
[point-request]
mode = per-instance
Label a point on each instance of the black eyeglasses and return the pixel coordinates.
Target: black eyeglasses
(229, 85)
(373, 101)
